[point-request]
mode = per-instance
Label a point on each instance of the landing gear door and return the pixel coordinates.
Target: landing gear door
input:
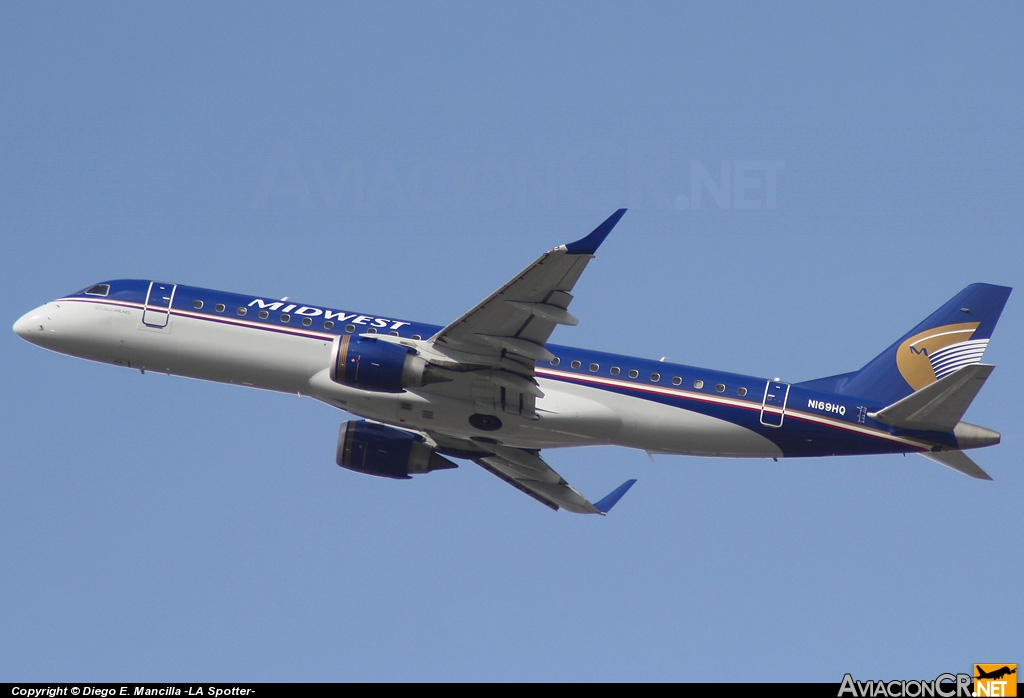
(158, 304)
(773, 407)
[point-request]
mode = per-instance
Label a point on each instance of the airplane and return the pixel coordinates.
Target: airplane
(489, 388)
(994, 674)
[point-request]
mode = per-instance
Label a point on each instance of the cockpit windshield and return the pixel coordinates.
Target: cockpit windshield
(97, 290)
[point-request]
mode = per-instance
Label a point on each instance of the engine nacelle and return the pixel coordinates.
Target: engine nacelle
(375, 449)
(380, 366)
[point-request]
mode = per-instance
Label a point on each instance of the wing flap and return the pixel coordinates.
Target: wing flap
(547, 311)
(517, 345)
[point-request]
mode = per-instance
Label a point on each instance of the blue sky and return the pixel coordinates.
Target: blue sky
(805, 184)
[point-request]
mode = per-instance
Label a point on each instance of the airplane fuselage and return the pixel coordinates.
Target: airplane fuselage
(588, 397)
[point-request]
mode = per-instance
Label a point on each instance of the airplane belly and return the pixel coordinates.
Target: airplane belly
(230, 354)
(567, 415)
(185, 346)
(645, 424)
(412, 410)
(563, 420)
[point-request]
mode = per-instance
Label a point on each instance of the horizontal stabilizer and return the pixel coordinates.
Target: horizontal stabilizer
(959, 461)
(939, 406)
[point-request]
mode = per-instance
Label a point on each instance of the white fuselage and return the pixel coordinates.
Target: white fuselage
(568, 414)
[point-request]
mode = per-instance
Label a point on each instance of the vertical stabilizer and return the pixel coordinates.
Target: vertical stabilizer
(952, 337)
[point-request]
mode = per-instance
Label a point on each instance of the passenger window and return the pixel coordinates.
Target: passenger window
(241, 312)
(219, 307)
(741, 391)
(593, 368)
(555, 361)
(350, 328)
(285, 317)
(698, 384)
(655, 377)
(328, 324)
(198, 305)
(264, 315)
(676, 380)
(575, 364)
(720, 388)
(371, 330)
(306, 322)
(416, 336)
(615, 370)
(393, 333)
(633, 373)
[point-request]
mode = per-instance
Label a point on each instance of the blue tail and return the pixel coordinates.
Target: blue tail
(952, 337)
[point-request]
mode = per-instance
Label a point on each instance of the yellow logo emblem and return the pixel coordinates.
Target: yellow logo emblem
(995, 680)
(938, 352)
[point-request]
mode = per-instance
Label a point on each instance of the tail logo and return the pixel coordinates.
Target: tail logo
(938, 352)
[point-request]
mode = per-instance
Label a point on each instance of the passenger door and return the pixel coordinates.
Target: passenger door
(157, 312)
(773, 407)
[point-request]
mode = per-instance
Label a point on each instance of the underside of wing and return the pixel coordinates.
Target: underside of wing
(529, 473)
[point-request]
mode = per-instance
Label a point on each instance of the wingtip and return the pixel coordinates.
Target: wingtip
(606, 504)
(590, 243)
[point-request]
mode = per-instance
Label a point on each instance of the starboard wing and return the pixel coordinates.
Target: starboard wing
(510, 327)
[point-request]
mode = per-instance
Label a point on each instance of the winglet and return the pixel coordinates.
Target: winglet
(606, 504)
(589, 244)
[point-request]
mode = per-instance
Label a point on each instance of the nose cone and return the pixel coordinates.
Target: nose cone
(32, 325)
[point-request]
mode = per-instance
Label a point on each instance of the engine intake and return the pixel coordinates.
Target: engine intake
(376, 449)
